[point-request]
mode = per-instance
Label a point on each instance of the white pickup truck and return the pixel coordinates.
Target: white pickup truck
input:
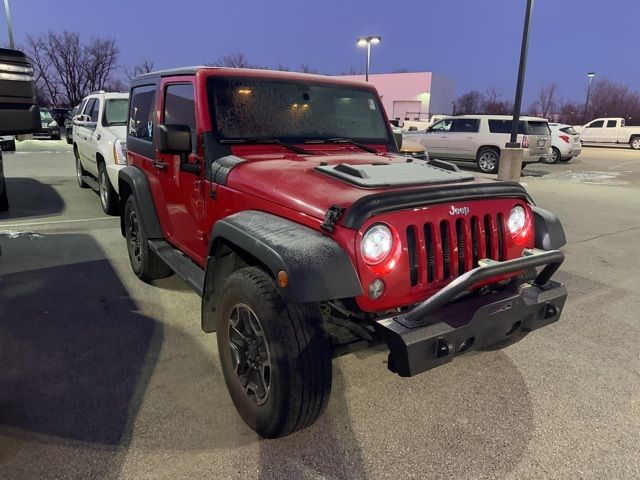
(609, 131)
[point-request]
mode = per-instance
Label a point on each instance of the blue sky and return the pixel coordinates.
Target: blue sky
(472, 41)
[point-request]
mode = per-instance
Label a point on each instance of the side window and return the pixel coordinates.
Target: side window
(441, 126)
(465, 125)
(88, 105)
(179, 107)
(611, 123)
(596, 124)
(141, 110)
(93, 113)
(504, 126)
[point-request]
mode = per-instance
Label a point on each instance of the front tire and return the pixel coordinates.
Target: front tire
(144, 262)
(79, 170)
(634, 143)
(275, 355)
(108, 196)
(488, 160)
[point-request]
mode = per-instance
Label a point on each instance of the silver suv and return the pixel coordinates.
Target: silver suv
(480, 139)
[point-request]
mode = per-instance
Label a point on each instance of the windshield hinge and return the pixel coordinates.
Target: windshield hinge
(331, 217)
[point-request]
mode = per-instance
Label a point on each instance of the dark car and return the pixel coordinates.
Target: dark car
(49, 126)
(68, 124)
(59, 114)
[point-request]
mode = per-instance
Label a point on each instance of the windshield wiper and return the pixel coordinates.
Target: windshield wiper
(275, 141)
(366, 148)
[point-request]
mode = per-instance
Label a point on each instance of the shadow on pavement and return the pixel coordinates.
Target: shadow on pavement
(31, 198)
(75, 359)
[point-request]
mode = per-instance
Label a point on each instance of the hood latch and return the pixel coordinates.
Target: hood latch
(331, 217)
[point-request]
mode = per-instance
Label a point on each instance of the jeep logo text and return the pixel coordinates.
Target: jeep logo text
(458, 210)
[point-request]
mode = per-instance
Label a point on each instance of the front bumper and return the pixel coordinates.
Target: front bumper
(112, 173)
(435, 331)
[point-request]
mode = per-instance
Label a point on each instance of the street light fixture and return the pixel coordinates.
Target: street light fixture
(367, 42)
(586, 104)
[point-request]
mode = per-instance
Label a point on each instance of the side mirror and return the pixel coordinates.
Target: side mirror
(19, 112)
(398, 138)
(176, 139)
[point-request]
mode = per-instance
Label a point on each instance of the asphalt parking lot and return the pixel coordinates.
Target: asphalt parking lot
(104, 376)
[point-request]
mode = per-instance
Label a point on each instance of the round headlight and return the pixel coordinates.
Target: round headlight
(376, 244)
(517, 220)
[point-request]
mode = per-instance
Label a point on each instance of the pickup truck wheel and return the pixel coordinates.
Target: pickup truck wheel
(488, 160)
(635, 143)
(79, 170)
(555, 156)
(108, 196)
(275, 355)
(144, 262)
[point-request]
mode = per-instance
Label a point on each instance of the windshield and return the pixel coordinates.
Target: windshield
(115, 111)
(539, 128)
(45, 116)
(257, 108)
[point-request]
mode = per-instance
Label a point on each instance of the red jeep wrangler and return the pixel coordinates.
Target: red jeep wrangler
(280, 199)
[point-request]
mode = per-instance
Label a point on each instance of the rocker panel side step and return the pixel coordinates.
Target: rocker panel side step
(180, 264)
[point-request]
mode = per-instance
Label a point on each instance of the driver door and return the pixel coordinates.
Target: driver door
(435, 140)
(183, 192)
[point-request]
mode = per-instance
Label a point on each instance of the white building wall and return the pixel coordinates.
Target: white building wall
(423, 93)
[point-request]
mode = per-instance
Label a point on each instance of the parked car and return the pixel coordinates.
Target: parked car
(565, 143)
(480, 139)
(609, 131)
(99, 131)
(408, 148)
(50, 128)
(8, 143)
(18, 105)
(280, 198)
(68, 124)
(59, 114)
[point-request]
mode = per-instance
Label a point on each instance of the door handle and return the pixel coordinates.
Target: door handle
(160, 165)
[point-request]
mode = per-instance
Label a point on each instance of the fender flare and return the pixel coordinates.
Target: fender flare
(317, 267)
(549, 234)
(133, 181)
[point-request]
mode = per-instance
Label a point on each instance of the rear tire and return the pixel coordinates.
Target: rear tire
(555, 157)
(275, 355)
(79, 170)
(565, 159)
(488, 160)
(144, 262)
(634, 143)
(108, 196)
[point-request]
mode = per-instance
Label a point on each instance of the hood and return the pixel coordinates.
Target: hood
(312, 184)
(118, 131)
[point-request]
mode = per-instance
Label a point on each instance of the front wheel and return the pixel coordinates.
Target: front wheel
(108, 196)
(488, 160)
(634, 143)
(144, 262)
(275, 355)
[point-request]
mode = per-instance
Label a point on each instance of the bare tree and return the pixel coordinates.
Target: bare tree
(469, 103)
(67, 69)
(493, 105)
(353, 71)
(145, 66)
(306, 68)
(610, 99)
(235, 60)
(545, 104)
(570, 113)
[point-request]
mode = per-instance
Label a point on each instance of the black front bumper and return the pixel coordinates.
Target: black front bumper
(437, 330)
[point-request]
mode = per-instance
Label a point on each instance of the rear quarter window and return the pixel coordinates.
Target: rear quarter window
(504, 126)
(569, 131)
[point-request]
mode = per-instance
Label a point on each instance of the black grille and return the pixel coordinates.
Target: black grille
(461, 248)
(412, 246)
(431, 252)
(446, 248)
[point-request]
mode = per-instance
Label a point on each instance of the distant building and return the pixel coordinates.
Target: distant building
(414, 95)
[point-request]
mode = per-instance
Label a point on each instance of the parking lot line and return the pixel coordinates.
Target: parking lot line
(56, 222)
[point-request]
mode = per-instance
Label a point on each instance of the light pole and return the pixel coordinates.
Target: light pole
(367, 42)
(586, 104)
(7, 13)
